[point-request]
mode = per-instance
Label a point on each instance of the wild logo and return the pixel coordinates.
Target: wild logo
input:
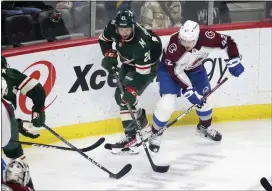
(55, 17)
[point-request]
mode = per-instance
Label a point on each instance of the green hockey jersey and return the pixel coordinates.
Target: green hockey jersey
(142, 50)
(30, 87)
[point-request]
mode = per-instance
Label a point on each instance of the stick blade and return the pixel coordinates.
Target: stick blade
(122, 172)
(161, 169)
(94, 146)
(108, 146)
(266, 184)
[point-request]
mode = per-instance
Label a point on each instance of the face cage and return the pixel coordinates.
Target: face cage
(26, 175)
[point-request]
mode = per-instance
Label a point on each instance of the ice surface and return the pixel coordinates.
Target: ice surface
(237, 163)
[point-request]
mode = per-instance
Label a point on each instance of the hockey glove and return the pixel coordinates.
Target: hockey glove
(130, 96)
(26, 129)
(110, 60)
(191, 95)
(235, 67)
(38, 117)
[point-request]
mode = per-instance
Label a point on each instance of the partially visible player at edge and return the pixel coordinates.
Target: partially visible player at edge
(139, 51)
(16, 81)
(17, 177)
(181, 71)
(12, 81)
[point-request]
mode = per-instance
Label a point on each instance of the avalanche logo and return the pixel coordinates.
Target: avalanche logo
(210, 34)
(172, 48)
(38, 75)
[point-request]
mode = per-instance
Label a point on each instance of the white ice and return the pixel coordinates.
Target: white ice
(237, 163)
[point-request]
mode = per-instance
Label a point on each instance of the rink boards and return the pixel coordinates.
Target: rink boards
(80, 99)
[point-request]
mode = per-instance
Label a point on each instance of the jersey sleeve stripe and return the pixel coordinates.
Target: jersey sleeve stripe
(143, 71)
(142, 67)
(102, 37)
(125, 115)
(27, 85)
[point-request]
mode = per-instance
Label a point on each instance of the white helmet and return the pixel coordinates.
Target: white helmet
(188, 34)
(18, 172)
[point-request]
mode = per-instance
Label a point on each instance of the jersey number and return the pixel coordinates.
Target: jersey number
(113, 22)
(147, 56)
(224, 40)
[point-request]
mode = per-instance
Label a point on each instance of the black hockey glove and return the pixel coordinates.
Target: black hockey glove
(110, 62)
(26, 129)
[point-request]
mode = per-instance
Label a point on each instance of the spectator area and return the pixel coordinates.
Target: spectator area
(34, 22)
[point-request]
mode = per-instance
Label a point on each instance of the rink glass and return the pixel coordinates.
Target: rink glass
(81, 19)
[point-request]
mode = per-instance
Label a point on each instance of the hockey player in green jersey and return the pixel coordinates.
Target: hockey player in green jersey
(139, 51)
(12, 81)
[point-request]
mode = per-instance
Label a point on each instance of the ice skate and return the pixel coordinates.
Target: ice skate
(209, 133)
(154, 144)
(125, 146)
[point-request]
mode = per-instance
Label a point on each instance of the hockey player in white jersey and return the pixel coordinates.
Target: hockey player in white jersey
(10, 125)
(182, 71)
(15, 175)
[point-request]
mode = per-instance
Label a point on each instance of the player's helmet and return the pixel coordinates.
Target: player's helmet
(17, 172)
(125, 19)
(189, 34)
(3, 62)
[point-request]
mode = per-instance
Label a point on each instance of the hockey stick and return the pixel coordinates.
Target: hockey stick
(156, 168)
(108, 146)
(188, 110)
(86, 149)
(120, 174)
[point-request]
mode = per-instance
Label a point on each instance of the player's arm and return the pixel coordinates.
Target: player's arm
(171, 54)
(177, 73)
(105, 40)
(217, 40)
(31, 88)
(110, 56)
(214, 39)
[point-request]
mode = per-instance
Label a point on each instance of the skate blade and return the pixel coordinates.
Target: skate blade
(124, 151)
(206, 137)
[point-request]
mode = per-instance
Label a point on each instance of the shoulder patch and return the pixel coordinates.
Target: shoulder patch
(142, 42)
(172, 47)
(210, 34)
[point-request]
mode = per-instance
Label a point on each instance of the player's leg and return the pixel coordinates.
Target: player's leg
(200, 81)
(3, 167)
(127, 122)
(13, 150)
(169, 91)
